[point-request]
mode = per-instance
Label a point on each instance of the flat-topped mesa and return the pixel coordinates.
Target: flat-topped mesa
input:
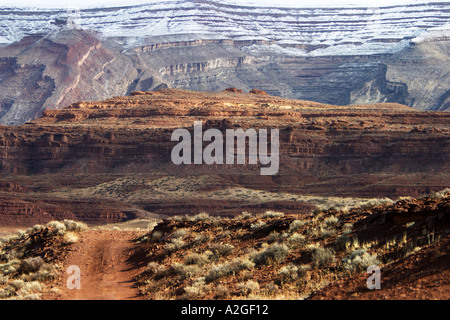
(175, 107)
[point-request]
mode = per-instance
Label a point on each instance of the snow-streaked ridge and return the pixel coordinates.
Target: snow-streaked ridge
(345, 30)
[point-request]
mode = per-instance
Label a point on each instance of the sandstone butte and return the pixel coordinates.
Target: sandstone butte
(109, 161)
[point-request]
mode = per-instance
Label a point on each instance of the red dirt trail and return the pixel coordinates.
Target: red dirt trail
(106, 272)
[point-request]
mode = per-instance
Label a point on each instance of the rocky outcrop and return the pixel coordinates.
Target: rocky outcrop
(415, 76)
(54, 70)
(25, 211)
(406, 265)
(423, 70)
(326, 79)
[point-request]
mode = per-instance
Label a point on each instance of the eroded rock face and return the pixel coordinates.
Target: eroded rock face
(415, 76)
(120, 149)
(51, 71)
(23, 210)
(54, 70)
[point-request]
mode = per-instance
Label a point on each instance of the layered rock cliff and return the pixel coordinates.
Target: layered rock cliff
(119, 149)
(348, 55)
(53, 70)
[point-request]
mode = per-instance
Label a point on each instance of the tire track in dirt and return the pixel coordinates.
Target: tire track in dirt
(106, 272)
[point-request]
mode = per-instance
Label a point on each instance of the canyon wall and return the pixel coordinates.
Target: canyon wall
(54, 70)
(61, 70)
(331, 55)
(119, 150)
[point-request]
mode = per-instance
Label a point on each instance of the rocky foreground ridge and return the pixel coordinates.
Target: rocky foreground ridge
(324, 255)
(109, 161)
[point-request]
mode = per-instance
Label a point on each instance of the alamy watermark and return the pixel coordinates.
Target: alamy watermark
(220, 152)
(74, 279)
(374, 280)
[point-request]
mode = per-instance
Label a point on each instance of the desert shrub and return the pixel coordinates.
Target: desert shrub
(156, 235)
(295, 225)
(331, 221)
(17, 284)
(184, 271)
(221, 292)
(244, 216)
(359, 260)
(225, 269)
(273, 236)
(30, 287)
(322, 257)
(319, 209)
(288, 273)
(7, 292)
(240, 264)
(258, 226)
(311, 247)
(347, 228)
(201, 217)
(327, 232)
(199, 239)
(248, 287)
(436, 195)
(220, 250)
(218, 271)
(35, 229)
(22, 275)
(32, 296)
(196, 259)
(371, 203)
(74, 226)
(152, 267)
(272, 254)
(354, 243)
(180, 218)
(57, 228)
(303, 269)
(193, 292)
(55, 291)
(70, 237)
(271, 288)
(196, 290)
(296, 240)
(273, 214)
(312, 232)
(180, 233)
(46, 272)
(22, 290)
(160, 272)
(174, 245)
(10, 267)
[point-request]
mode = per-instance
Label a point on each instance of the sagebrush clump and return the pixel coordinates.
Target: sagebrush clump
(225, 269)
(24, 270)
(322, 257)
(359, 260)
(272, 254)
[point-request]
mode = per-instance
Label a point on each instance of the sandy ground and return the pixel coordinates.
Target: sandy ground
(8, 231)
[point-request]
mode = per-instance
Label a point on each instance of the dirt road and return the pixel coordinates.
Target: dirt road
(105, 270)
